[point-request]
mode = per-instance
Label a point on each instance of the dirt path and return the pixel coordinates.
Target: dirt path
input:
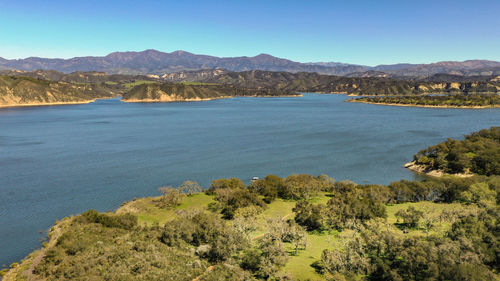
(55, 233)
(207, 271)
(29, 272)
(54, 236)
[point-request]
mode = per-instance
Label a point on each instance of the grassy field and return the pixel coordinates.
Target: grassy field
(431, 211)
(138, 82)
(299, 266)
(198, 83)
(148, 213)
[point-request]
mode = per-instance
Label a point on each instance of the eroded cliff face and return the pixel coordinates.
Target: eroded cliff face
(23, 91)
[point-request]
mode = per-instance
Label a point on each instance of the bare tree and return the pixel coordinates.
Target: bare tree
(189, 188)
(170, 198)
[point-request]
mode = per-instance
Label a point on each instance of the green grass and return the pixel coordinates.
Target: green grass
(138, 82)
(299, 266)
(281, 208)
(278, 208)
(111, 83)
(432, 210)
(148, 213)
(322, 198)
(198, 83)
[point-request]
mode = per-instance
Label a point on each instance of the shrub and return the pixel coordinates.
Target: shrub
(230, 200)
(232, 183)
(171, 197)
(411, 216)
(189, 188)
(124, 221)
(309, 215)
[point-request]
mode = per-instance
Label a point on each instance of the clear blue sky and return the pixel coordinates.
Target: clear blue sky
(364, 32)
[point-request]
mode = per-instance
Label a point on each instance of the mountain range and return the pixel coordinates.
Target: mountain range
(160, 63)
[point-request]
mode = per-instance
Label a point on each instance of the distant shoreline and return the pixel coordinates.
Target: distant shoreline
(203, 99)
(136, 101)
(420, 105)
(47, 104)
(173, 99)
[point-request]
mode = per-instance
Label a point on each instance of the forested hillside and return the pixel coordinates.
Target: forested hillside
(478, 153)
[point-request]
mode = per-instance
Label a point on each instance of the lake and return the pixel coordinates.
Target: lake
(61, 160)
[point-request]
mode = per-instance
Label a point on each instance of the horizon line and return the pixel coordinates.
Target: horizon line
(244, 56)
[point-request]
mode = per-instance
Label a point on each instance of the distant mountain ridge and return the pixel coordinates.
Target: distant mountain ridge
(160, 63)
(155, 62)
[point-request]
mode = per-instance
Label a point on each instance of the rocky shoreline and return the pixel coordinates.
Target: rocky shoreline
(426, 106)
(412, 166)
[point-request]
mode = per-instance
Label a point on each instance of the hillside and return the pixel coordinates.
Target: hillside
(78, 76)
(155, 62)
(24, 88)
(25, 91)
(478, 153)
(296, 228)
(313, 82)
(465, 68)
(169, 92)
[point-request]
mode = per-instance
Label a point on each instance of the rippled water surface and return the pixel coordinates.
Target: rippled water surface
(62, 160)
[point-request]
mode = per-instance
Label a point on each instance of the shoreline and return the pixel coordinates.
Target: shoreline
(172, 100)
(204, 99)
(55, 103)
(433, 173)
(423, 106)
(25, 266)
(136, 101)
(271, 96)
(48, 103)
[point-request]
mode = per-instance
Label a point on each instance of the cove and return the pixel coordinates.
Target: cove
(61, 160)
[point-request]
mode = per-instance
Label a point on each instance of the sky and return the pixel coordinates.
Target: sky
(368, 32)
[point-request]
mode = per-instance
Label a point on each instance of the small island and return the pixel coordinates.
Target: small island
(300, 227)
(440, 101)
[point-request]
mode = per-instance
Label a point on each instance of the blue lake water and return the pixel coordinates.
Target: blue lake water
(61, 160)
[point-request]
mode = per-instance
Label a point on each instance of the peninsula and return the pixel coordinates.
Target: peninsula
(439, 101)
(300, 227)
(477, 154)
(26, 91)
(174, 92)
